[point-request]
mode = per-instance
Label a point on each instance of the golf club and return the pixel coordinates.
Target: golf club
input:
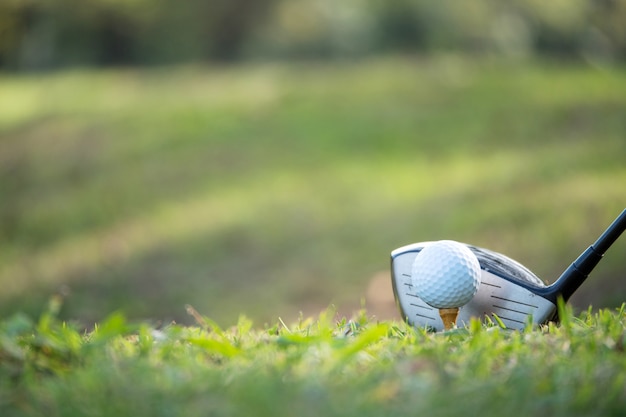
(507, 290)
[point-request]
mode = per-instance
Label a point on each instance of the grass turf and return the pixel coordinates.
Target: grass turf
(320, 366)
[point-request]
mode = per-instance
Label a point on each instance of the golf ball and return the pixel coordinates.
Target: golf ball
(445, 274)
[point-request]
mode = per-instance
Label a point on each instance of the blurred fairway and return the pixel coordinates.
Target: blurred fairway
(273, 189)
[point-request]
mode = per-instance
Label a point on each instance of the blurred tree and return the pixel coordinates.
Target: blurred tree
(56, 33)
(403, 26)
(558, 24)
(315, 28)
(231, 23)
(608, 27)
(15, 20)
(111, 32)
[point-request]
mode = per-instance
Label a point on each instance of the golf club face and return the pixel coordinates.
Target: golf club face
(507, 290)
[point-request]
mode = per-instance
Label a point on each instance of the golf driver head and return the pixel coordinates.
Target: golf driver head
(507, 290)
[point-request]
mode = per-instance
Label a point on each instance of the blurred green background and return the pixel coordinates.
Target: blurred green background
(264, 157)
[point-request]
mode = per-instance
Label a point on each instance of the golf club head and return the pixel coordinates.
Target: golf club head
(508, 290)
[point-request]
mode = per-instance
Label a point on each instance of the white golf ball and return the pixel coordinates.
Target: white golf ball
(445, 274)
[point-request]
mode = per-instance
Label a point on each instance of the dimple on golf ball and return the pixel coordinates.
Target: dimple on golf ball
(445, 274)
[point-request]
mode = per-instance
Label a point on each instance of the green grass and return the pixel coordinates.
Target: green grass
(315, 367)
(273, 189)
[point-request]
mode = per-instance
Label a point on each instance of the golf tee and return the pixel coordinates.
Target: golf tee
(449, 315)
